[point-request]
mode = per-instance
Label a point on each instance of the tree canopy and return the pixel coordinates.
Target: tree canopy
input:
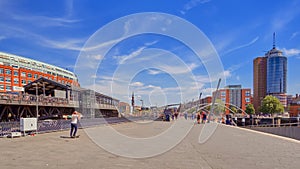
(250, 109)
(272, 105)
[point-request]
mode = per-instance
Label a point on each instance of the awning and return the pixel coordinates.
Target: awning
(44, 85)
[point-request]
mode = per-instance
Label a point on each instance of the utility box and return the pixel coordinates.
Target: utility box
(28, 124)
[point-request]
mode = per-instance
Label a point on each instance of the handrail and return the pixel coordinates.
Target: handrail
(277, 125)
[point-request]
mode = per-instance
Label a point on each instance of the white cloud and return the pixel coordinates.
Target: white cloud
(193, 66)
(291, 52)
(137, 84)
(154, 72)
(151, 43)
(227, 73)
(97, 57)
(94, 76)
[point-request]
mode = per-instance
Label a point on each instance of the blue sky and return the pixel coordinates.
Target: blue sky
(56, 31)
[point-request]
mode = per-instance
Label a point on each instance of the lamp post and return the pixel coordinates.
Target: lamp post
(37, 106)
(142, 108)
(142, 102)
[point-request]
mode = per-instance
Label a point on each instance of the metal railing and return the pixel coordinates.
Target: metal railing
(29, 99)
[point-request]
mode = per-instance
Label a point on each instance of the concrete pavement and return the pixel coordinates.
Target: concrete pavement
(228, 148)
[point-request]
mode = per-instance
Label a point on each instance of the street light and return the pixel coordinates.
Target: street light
(37, 105)
(142, 102)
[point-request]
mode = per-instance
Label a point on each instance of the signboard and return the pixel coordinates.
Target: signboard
(60, 93)
(18, 89)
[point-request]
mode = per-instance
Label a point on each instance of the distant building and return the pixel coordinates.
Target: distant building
(294, 107)
(270, 76)
(124, 108)
(206, 100)
(234, 96)
(17, 71)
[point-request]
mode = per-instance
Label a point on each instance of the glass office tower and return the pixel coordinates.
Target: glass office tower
(276, 72)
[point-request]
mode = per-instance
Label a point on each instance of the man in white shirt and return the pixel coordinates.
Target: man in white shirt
(76, 116)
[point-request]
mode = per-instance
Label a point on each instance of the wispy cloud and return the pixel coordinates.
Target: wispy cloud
(12, 31)
(66, 44)
(284, 16)
(242, 46)
(122, 59)
(294, 35)
(174, 69)
(192, 4)
(45, 21)
(2, 37)
(69, 7)
(18, 17)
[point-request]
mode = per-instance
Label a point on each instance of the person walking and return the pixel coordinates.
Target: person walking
(76, 116)
(198, 117)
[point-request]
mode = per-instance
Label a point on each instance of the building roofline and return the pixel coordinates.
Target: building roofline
(37, 61)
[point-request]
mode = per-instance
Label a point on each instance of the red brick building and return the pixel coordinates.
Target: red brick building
(17, 71)
(206, 100)
(236, 96)
(294, 106)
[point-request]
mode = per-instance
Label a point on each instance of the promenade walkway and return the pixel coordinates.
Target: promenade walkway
(228, 148)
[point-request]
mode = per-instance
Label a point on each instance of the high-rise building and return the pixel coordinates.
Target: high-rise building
(270, 76)
(276, 72)
(259, 81)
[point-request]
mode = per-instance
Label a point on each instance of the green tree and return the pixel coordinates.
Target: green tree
(219, 106)
(272, 105)
(250, 109)
(233, 109)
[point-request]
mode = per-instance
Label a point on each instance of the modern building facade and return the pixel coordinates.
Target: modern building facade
(270, 76)
(259, 81)
(234, 96)
(17, 71)
(276, 72)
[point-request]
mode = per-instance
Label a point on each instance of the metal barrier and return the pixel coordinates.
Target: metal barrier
(58, 125)
(7, 127)
(277, 125)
